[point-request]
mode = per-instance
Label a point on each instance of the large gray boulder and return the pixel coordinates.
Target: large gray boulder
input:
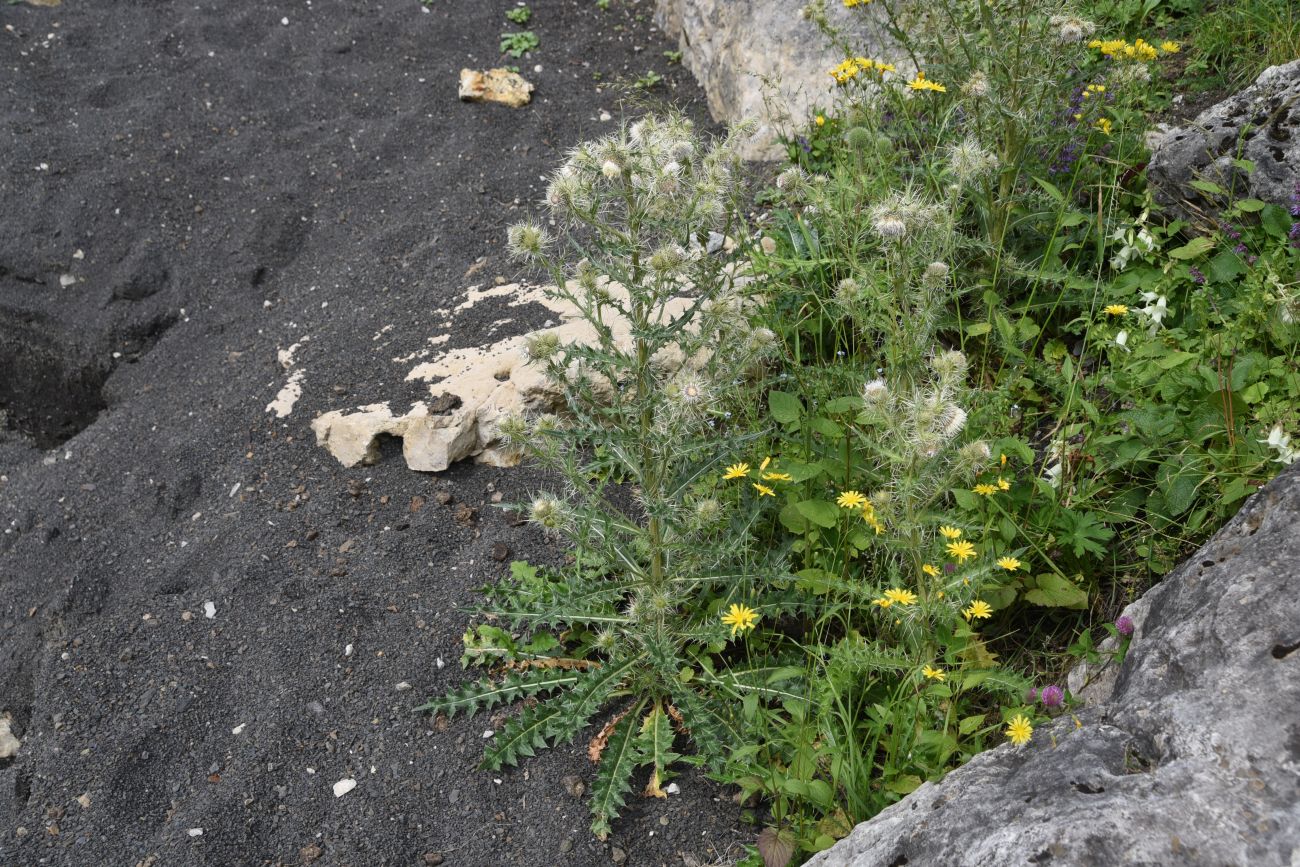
(763, 61)
(1192, 757)
(1260, 124)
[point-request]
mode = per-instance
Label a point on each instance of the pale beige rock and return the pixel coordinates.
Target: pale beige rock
(8, 743)
(495, 85)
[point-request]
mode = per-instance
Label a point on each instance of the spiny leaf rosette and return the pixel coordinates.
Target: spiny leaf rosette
(631, 631)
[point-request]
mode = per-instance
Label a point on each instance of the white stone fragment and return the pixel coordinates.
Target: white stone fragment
(343, 786)
(210, 610)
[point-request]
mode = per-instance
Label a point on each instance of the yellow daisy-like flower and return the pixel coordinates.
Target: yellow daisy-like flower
(882, 68)
(851, 500)
(985, 490)
(933, 674)
(849, 4)
(1115, 309)
(978, 610)
(1011, 564)
(741, 618)
(1003, 484)
(882, 602)
(923, 83)
(1002, 459)
(736, 471)
(900, 597)
(869, 515)
(1170, 47)
(777, 477)
(764, 490)
(820, 120)
(961, 551)
(950, 533)
(762, 468)
(932, 571)
(1104, 125)
(1019, 731)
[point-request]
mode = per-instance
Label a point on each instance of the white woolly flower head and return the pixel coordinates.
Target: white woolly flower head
(527, 241)
(969, 161)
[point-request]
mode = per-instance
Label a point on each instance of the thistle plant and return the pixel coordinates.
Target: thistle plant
(635, 245)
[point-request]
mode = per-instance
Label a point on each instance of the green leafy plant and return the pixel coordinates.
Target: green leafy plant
(519, 15)
(648, 81)
(516, 44)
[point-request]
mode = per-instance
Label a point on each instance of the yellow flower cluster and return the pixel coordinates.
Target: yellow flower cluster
(923, 83)
(895, 596)
(849, 4)
(1138, 49)
(741, 470)
(855, 66)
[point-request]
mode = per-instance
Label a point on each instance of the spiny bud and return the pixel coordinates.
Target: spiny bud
(611, 169)
(667, 258)
(860, 139)
(975, 455)
(540, 347)
(527, 241)
(708, 511)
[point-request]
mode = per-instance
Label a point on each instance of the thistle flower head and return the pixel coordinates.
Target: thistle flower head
(547, 511)
(935, 275)
(875, 392)
(969, 161)
(708, 511)
(977, 86)
(668, 259)
(949, 366)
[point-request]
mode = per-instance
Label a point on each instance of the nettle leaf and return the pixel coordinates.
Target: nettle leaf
(1053, 591)
(820, 512)
(776, 847)
(1275, 220)
(786, 408)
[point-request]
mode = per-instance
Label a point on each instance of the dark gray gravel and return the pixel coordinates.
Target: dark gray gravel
(233, 184)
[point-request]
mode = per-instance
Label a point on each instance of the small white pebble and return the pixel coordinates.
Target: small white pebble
(235, 489)
(79, 255)
(196, 832)
(209, 610)
(403, 686)
(673, 789)
(487, 734)
(343, 786)
(438, 662)
(66, 280)
(347, 651)
(238, 729)
(284, 21)
(606, 116)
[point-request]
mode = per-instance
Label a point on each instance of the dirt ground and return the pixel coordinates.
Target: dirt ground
(205, 621)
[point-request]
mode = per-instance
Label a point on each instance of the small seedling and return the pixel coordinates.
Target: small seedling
(673, 56)
(648, 81)
(602, 5)
(520, 14)
(515, 44)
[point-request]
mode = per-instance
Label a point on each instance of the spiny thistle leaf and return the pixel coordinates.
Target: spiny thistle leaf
(621, 756)
(487, 694)
(521, 736)
(582, 702)
(712, 731)
(656, 743)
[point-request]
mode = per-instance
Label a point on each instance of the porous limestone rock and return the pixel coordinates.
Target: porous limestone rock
(495, 85)
(762, 60)
(1260, 124)
(8, 743)
(490, 383)
(1192, 759)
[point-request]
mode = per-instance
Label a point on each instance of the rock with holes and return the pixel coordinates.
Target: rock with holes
(764, 62)
(495, 85)
(1260, 124)
(1192, 757)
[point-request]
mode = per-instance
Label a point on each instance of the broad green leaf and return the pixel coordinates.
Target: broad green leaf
(1193, 249)
(975, 329)
(820, 512)
(1054, 591)
(786, 408)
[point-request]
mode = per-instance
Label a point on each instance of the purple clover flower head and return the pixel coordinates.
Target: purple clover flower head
(1032, 695)
(804, 145)
(1053, 696)
(949, 568)
(1239, 249)
(1124, 626)
(1197, 277)
(1295, 200)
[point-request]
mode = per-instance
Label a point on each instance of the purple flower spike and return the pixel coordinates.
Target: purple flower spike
(1053, 696)
(1124, 626)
